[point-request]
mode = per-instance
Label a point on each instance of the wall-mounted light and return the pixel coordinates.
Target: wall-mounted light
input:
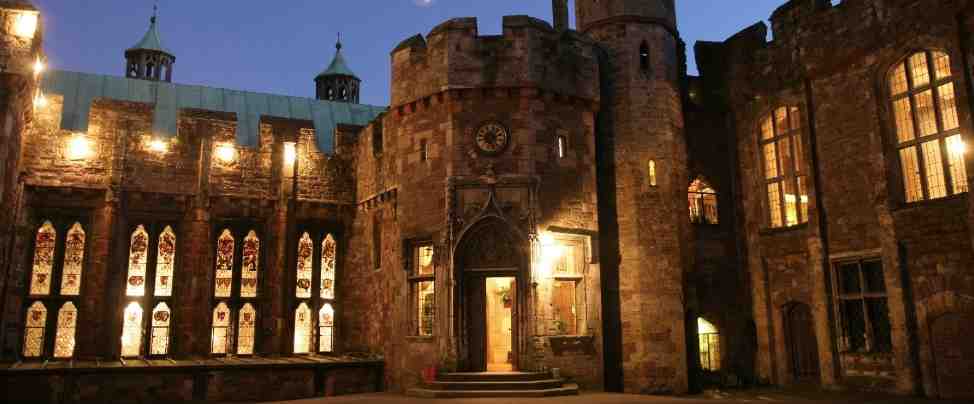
(40, 101)
(226, 152)
(549, 252)
(158, 145)
(25, 24)
(38, 67)
(290, 154)
(79, 147)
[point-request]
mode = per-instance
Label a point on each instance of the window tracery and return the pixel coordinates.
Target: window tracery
(151, 272)
(315, 291)
(236, 289)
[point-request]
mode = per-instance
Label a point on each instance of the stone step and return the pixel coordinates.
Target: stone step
(544, 384)
(493, 376)
(566, 390)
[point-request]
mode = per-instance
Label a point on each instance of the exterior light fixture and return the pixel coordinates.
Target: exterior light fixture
(226, 152)
(25, 24)
(290, 154)
(158, 145)
(40, 101)
(79, 147)
(38, 67)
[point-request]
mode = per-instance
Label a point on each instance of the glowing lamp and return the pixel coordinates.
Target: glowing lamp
(79, 147)
(25, 24)
(290, 153)
(40, 101)
(38, 67)
(957, 147)
(226, 153)
(158, 145)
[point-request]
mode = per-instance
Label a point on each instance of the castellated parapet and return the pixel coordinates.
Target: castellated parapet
(530, 53)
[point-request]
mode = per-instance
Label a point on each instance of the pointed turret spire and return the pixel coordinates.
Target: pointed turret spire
(148, 58)
(338, 82)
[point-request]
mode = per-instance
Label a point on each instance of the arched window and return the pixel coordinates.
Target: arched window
(928, 139)
(703, 202)
(644, 56)
(315, 291)
(784, 168)
(651, 172)
(149, 287)
(709, 345)
(55, 287)
(236, 289)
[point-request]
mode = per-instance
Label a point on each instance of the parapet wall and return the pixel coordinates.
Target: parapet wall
(528, 54)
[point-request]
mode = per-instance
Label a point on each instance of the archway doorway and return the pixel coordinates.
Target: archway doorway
(489, 262)
(801, 342)
(953, 355)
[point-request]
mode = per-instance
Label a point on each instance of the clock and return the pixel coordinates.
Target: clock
(492, 138)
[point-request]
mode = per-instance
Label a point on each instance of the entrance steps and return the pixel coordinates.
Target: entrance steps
(501, 384)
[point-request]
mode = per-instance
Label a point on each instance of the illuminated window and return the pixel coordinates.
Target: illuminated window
(315, 291)
(709, 345)
(561, 147)
(567, 255)
(861, 306)
(703, 202)
(236, 288)
(149, 290)
(783, 158)
(651, 172)
(929, 144)
(424, 150)
(55, 289)
(422, 281)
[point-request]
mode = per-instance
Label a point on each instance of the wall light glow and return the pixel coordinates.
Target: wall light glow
(549, 252)
(957, 147)
(40, 101)
(38, 67)
(290, 154)
(25, 24)
(226, 152)
(158, 145)
(79, 147)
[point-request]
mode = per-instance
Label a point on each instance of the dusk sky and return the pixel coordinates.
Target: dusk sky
(280, 46)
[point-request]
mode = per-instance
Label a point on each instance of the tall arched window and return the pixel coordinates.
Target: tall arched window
(928, 140)
(709, 345)
(236, 289)
(149, 289)
(55, 289)
(315, 291)
(784, 168)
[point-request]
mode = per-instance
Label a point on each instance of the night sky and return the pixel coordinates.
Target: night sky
(280, 46)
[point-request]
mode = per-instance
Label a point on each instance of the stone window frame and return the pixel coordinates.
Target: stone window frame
(644, 56)
(148, 301)
(580, 244)
(700, 212)
(414, 278)
(838, 297)
(239, 229)
(942, 136)
(62, 221)
(797, 176)
(318, 230)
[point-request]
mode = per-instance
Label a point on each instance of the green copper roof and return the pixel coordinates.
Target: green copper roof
(338, 66)
(151, 40)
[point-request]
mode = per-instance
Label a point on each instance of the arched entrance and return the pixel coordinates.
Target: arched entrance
(953, 355)
(801, 343)
(490, 262)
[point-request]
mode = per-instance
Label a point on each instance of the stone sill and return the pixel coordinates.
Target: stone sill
(421, 338)
(200, 364)
(780, 230)
(928, 203)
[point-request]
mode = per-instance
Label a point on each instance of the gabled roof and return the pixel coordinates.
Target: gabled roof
(338, 67)
(152, 40)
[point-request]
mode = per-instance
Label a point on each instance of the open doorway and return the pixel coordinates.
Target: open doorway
(500, 298)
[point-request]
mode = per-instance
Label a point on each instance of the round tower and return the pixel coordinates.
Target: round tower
(337, 82)
(149, 59)
(643, 189)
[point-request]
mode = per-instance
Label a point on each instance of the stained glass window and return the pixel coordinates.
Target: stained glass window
(74, 257)
(67, 319)
(138, 260)
(305, 253)
(221, 329)
(161, 316)
(929, 143)
(247, 326)
(165, 262)
(328, 250)
(132, 329)
(34, 330)
(326, 324)
(40, 283)
(224, 264)
(302, 329)
(250, 265)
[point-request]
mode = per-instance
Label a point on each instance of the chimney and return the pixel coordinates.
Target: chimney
(560, 11)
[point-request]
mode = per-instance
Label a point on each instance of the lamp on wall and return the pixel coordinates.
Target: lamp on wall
(226, 152)
(158, 145)
(40, 101)
(290, 154)
(78, 147)
(25, 24)
(38, 67)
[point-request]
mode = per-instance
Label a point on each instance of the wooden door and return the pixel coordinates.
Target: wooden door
(953, 355)
(801, 342)
(475, 294)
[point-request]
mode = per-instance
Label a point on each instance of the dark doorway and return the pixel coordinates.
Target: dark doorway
(801, 343)
(953, 355)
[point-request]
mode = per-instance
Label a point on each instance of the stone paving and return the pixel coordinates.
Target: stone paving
(758, 396)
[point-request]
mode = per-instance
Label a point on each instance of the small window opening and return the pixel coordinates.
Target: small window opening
(703, 202)
(644, 56)
(424, 154)
(651, 172)
(709, 345)
(562, 147)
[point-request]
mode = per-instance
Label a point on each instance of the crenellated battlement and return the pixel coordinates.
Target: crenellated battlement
(529, 53)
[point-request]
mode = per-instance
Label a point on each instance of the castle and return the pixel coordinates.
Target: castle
(543, 199)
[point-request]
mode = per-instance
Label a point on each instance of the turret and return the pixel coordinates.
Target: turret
(337, 82)
(149, 59)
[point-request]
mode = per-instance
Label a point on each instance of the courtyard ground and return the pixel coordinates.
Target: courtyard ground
(712, 397)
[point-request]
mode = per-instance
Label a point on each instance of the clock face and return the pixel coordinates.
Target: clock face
(492, 138)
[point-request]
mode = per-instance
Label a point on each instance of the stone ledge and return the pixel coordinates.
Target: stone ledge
(200, 364)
